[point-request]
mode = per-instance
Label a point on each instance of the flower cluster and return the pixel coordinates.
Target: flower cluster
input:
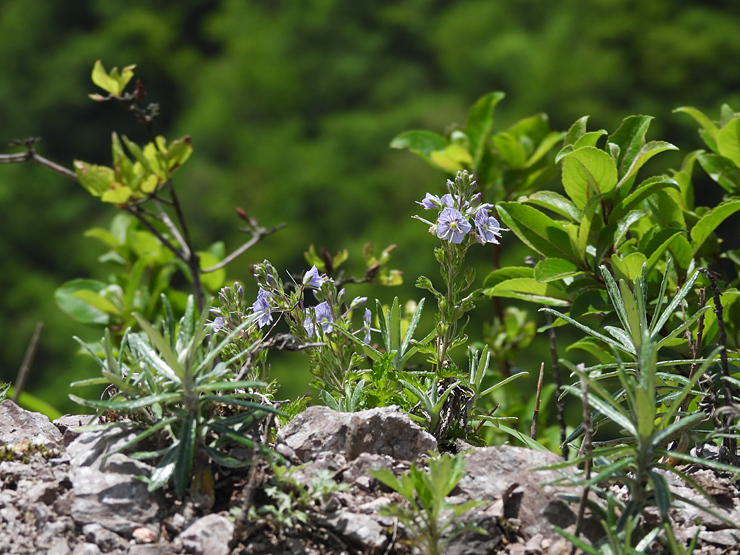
(456, 209)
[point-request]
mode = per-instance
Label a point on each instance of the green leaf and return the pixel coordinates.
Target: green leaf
(422, 143)
(594, 333)
(480, 124)
(544, 147)
(643, 191)
(588, 171)
(509, 272)
(630, 138)
(453, 158)
(721, 170)
(67, 299)
(629, 267)
(529, 289)
(712, 131)
(97, 301)
(728, 141)
(553, 269)
(538, 231)
(185, 453)
(126, 405)
(170, 358)
(709, 222)
(213, 281)
(512, 153)
(643, 155)
(557, 203)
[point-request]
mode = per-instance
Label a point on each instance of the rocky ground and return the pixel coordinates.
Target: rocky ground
(60, 495)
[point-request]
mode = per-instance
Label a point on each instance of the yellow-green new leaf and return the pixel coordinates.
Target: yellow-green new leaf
(113, 82)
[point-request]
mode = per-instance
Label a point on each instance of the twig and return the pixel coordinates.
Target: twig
(585, 449)
(728, 452)
(559, 402)
(31, 156)
(536, 413)
(20, 381)
(258, 233)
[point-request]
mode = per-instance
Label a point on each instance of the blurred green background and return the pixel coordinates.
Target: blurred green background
(291, 106)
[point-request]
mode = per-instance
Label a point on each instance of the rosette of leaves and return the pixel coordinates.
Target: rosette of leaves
(427, 516)
(651, 406)
(172, 386)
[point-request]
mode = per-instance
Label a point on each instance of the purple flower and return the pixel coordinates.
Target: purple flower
(313, 279)
(217, 324)
(452, 226)
(262, 306)
(368, 318)
(430, 201)
(448, 200)
(323, 317)
(488, 227)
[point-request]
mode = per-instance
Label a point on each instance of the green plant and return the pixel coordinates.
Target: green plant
(648, 406)
(425, 493)
(172, 384)
(293, 502)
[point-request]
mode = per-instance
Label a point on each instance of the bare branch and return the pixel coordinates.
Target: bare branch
(31, 156)
(258, 233)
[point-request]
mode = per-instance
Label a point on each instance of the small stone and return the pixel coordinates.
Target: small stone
(86, 549)
(59, 547)
(102, 537)
(144, 535)
(209, 535)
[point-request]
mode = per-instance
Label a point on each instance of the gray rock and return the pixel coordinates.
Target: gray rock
(18, 425)
(209, 535)
(382, 431)
(106, 489)
(360, 528)
(503, 475)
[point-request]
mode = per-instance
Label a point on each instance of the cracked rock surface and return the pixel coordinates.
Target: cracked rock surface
(63, 493)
